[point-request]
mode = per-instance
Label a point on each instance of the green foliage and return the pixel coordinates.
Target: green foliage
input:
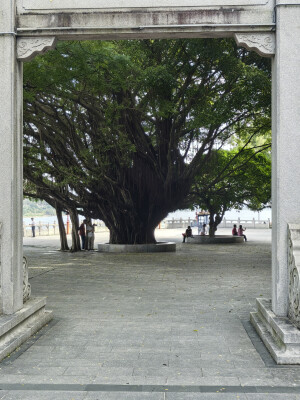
(233, 179)
(121, 129)
(36, 208)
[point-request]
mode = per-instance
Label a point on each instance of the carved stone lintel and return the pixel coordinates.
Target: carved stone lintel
(294, 273)
(28, 48)
(26, 284)
(261, 43)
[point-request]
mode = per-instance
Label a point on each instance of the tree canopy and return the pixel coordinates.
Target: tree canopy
(121, 129)
(233, 179)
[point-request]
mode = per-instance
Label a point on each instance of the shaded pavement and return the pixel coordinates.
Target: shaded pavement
(162, 326)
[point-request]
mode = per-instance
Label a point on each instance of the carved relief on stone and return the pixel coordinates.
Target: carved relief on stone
(0, 257)
(28, 48)
(261, 43)
(294, 283)
(26, 284)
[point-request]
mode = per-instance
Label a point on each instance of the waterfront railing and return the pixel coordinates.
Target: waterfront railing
(226, 223)
(49, 229)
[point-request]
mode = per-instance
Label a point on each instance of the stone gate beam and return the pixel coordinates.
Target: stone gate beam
(286, 145)
(11, 163)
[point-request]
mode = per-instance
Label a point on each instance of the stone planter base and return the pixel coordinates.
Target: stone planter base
(137, 248)
(204, 239)
(279, 335)
(15, 329)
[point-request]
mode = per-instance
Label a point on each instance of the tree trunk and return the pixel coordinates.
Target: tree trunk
(143, 197)
(215, 219)
(212, 225)
(75, 225)
(133, 228)
(62, 231)
(132, 235)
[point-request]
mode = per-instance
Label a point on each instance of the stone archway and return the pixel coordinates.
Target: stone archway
(29, 27)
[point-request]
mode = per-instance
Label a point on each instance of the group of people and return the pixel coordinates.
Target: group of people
(239, 232)
(235, 232)
(87, 234)
(189, 232)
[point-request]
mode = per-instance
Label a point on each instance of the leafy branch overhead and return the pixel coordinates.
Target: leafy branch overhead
(127, 126)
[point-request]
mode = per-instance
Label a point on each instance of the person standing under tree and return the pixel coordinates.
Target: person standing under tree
(33, 227)
(89, 235)
(81, 230)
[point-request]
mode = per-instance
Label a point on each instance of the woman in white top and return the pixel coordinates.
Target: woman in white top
(89, 235)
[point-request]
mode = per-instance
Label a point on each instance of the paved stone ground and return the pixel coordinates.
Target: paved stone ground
(149, 326)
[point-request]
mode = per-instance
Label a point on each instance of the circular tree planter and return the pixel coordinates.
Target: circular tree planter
(159, 247)
(221, 239)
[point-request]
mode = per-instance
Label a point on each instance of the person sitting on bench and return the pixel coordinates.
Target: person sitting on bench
(234, 230)
(188, 233)
(241, 232)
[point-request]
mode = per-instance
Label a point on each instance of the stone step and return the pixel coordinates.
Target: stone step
(281, 338)
(282, 327)
(15, 329)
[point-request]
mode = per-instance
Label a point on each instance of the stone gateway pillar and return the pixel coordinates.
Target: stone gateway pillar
(10, 163)
(278, 321)
(270, 27)
(18, 320)
(286, 145)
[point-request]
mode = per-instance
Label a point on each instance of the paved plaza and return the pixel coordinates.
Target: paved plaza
(164, 326)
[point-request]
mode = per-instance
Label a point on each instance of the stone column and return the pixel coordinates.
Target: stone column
(11, 163)
(286, 145)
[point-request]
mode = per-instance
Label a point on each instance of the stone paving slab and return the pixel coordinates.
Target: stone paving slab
(272, 396)
(205, 396)
(14, 395)
(47, 395)
(151, 319)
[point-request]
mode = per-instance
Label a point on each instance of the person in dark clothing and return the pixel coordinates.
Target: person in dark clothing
(188, 233)
(81, 230)
(234, 231)
(33, 227)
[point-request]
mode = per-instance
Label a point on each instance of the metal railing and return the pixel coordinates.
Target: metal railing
(49, 229)
(226, 223)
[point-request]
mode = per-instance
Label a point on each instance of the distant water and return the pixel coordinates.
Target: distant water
(184, 214)
(232, 214)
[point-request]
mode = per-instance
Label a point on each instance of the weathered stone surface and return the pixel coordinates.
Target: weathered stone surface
(58, 5)
(28, 48)
(262, 43)
(26, 284)
(154, 19)
(15, 329)
(219, 239)
(11, 177)
(294, 273)
(285, 146)
(279, 335)
(137, 248)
